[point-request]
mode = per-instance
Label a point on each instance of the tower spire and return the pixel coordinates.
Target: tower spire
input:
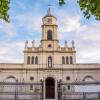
(49, 10)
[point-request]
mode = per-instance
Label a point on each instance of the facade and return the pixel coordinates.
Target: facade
(50, 64)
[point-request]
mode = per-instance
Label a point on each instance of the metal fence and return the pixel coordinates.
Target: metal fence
(34, 91)
(21, 91)
(72, 91)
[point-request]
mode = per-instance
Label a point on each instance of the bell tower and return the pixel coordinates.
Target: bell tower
(49, 31)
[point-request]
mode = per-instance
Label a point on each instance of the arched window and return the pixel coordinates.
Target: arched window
(49, 61)
(63, 60)
(49, 35)
(36, 60)
(28, 60)
(88, 79)
(67, 60)
(71, 60)
(10, 88)
(32, 60)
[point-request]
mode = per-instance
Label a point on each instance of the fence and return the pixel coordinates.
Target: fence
(34, 91)
(79, 91)
(21, 91)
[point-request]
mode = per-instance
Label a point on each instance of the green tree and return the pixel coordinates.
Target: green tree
(4, 8)
(89, 8)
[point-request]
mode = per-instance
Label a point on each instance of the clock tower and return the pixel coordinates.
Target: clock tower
(49, 32)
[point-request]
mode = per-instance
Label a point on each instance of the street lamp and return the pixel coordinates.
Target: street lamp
(16, 90)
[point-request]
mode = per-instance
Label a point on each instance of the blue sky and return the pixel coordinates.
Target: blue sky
(26, 20)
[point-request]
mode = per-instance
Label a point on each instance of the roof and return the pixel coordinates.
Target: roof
(49, 14)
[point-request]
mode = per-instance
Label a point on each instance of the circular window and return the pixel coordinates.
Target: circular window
(31, 78)
(49, 46)
(67, 78)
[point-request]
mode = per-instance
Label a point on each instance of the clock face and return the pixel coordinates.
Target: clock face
(49, 20)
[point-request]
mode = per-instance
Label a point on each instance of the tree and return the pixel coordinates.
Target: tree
(89, 8)
(4, 7)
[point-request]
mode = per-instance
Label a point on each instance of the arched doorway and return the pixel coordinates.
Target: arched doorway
(50, 88)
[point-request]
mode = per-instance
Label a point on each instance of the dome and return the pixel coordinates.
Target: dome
(49, 14)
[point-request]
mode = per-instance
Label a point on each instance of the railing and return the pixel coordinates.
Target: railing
(34, 91)
(81, 96)
(21, 91)
(72, 91)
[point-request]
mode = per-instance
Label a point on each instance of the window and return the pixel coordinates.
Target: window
(49, 61)
(67, 61)
(67, 78)
(31, 86)
(88, 79)
(63, 60)
(28, 60)
(31, 78)
(32, 60)
(71, 60)
(49, 35)
(36, 60)
(49, 46)
(68, 87)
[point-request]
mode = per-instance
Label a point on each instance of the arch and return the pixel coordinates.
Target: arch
(86, 87)
(10, 87)
(32, 60)
(10, 79)
(28, 60)
(36, 60)
(49, 35)
(71, 60)
(88, 78)
(63, 60)
(50, 88)
(67, 60)
(49, 61)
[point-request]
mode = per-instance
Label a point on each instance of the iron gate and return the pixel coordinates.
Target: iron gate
(21, 91)
(34, 91)
(67, 91)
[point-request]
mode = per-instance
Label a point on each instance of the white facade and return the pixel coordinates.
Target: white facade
(50, 60)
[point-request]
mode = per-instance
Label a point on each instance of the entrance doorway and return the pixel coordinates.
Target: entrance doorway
(50, 88)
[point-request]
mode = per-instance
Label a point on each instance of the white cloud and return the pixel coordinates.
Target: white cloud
(8, 29)
(67, 23)
(29, 22)
(89, 32)
(11, 52)
(88, 43)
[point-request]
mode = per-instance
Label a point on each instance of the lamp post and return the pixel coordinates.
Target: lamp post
(16, 90)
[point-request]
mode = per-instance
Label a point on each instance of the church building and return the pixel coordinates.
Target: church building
(48, 69)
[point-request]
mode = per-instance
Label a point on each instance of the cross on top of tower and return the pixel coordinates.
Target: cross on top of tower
(49, 13)
(49, 10)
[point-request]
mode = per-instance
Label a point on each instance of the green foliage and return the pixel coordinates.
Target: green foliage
(61, 2)
(90, 7)
(4, 7)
